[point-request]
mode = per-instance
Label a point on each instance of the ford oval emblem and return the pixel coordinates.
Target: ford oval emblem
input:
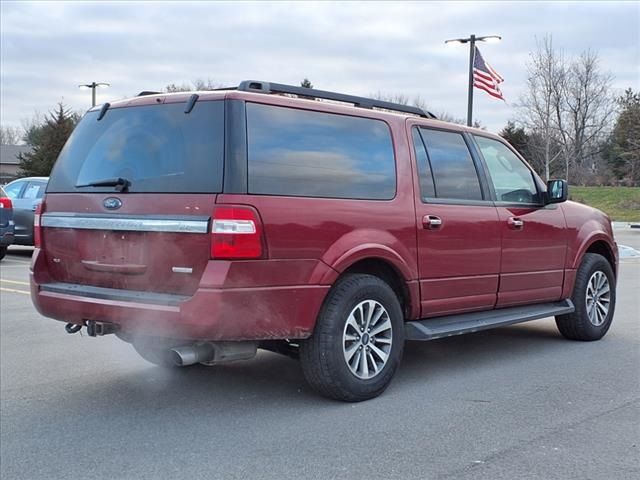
(112, 203)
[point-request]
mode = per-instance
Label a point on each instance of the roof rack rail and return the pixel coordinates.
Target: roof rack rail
(363, 102)
(144, 93)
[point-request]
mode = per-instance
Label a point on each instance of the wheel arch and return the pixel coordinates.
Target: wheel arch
(602, 248)
(390, 274)
(598, 243)
(601, 245)
(390, 270)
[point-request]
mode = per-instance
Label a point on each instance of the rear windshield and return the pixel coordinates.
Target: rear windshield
(157, 148)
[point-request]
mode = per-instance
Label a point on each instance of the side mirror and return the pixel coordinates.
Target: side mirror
(557, 191)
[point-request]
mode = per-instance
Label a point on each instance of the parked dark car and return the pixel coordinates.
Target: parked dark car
(202, 226)
(26, 194)
(6, 222)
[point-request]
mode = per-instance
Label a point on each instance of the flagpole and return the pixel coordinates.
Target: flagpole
(472, 50)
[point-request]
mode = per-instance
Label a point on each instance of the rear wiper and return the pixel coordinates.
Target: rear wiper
(121, 184)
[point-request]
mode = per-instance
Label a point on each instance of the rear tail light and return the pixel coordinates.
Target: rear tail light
(37, 229)
(236, 233)
(5, 202)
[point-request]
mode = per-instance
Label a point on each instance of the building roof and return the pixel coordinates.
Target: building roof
(9, 153)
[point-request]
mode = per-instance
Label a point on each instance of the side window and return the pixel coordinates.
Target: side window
(13, 190)
(454, 172)
(424, 169)
(511, 178)
(314, 154)
(34, 190)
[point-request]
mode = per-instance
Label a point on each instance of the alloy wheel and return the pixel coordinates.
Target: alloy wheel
(367, 339)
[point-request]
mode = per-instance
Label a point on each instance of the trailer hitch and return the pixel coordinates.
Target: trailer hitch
(94, 329)
(98, 329)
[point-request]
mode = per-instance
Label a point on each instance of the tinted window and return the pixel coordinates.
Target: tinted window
(424, 169)
(34, 190)
(315, 154)
(14, 189)
(453, 170)
(512, 179)
(158, 148)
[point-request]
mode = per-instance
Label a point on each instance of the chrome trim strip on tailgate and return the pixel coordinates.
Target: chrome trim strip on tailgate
(130, 223)
(114, 294)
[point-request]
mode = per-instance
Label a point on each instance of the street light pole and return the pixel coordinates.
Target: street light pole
(472, 50)
(93, 86)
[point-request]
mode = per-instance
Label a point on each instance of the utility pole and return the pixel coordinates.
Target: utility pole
(472, 50)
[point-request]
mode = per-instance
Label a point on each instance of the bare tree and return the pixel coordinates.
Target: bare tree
(585, 113)
(567, 108)
(546, 75)
(419, 102)
(10, 135)
(447, 117)
(197, 84)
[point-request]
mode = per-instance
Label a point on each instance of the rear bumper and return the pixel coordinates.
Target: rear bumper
(210, 314)
(6, 236)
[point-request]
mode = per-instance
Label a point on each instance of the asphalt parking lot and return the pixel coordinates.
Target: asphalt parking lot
(516, 402)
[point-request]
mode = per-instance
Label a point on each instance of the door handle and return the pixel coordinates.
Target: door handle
(431, 222)
(515, 223)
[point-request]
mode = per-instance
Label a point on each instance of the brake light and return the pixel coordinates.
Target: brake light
(5, 202)
(236, 233)
(37, 229)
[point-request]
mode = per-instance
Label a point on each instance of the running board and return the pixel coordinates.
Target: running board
(432, 328)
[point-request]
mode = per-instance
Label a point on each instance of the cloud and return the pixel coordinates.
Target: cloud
(397, 47)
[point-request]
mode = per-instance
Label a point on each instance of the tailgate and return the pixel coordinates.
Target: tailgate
(130, 196)
(155, 243)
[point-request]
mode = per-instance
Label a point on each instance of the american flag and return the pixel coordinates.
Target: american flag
(486, 78)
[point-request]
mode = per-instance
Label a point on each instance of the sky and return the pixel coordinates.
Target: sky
(48, 48)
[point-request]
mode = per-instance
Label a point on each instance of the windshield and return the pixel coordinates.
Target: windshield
(157, 148)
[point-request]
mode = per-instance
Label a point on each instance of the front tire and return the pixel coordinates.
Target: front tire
(594, 298)
(358, 340)
(3, 252)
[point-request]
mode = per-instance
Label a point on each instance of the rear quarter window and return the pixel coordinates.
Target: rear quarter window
(158, 148)
(315, 154)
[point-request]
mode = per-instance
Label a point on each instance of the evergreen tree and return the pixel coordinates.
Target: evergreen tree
(623, 150)
(517, 137)
(47, 140)
(306, 83)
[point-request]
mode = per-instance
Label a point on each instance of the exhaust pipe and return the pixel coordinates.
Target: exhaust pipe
(192, 354)
(213, 353)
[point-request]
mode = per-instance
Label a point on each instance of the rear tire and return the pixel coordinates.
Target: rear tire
(594, 298)
(358, 340)
(156, 350)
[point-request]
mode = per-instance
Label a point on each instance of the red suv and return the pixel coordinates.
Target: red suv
(200, 227)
